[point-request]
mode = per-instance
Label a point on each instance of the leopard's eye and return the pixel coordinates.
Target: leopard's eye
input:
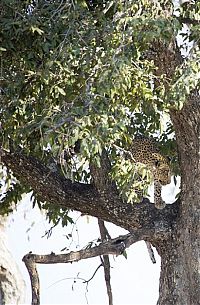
(157, 163)
(168, 159)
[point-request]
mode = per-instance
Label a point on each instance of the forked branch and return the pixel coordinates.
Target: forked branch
(114, 246)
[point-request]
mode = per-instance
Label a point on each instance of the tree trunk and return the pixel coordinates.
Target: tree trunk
(180, 254)
(12, 286)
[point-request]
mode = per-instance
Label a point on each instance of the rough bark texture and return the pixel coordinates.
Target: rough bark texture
(86, 198)
(12, 286)
(180, 253)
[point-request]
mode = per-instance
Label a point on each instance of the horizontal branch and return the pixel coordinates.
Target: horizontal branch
(188, 20)
(114, 246)
(59, 191)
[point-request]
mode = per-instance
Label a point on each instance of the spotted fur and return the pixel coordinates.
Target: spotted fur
(145, 150)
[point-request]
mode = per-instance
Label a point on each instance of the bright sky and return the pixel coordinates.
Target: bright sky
(134, 281)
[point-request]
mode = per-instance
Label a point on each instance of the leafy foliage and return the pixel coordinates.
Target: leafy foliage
(80, 71)
(11, 191)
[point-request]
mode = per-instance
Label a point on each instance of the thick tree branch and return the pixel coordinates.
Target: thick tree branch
(166, 57)
(62, 192)
(188, 20)
(58, 191)
(186, 122)
(183, 121)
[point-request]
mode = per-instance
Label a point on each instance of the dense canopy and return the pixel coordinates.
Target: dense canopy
(81, 76)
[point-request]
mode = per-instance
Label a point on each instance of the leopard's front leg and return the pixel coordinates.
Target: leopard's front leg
(159, 203)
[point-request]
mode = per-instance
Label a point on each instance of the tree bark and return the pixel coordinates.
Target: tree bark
(12, 286)
(86, 198)
(180, 253)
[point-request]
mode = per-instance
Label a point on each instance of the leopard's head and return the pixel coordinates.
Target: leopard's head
(162, 170)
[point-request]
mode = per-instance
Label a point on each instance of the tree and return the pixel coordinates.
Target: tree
(79, 79)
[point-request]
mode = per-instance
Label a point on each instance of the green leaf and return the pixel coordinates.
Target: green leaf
(2, 49)
(125, 254)
(36, 29)
(60, 90)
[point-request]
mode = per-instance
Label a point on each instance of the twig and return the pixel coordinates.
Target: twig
(151, 253)
(78, 278)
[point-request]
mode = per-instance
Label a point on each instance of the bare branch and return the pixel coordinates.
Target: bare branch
(114, 246)
(150, 251)
(78, 278)
(105, 260)
(35, 283)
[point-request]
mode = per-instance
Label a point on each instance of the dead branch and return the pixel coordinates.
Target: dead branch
(151, 252)
(105, 260)
(34, 278)
(115, 246)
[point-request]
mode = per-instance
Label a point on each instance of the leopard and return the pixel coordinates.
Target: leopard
(146, 151)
